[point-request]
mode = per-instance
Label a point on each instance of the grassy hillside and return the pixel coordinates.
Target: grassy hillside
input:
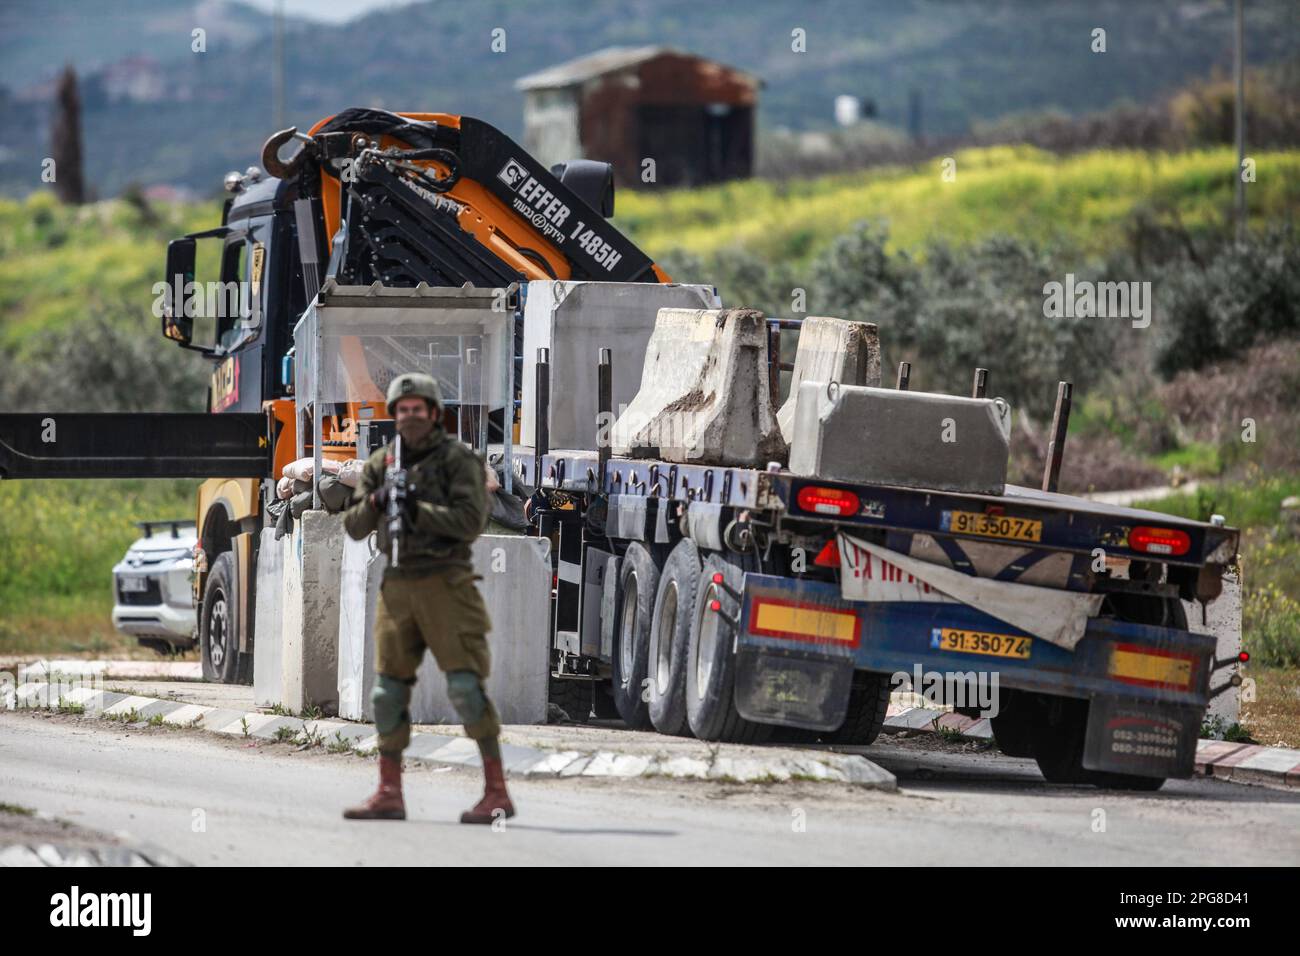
(57, 263)
(1081, 201)
(59, 541)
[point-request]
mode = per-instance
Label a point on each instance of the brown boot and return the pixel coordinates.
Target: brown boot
(495, 797)
(386, 802)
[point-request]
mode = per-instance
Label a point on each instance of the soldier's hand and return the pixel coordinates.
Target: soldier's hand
(379, 498)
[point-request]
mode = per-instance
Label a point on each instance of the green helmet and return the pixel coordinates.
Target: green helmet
(413, 384)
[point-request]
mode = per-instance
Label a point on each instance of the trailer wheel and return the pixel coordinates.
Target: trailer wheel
(219, 623)
(1058, 751)
(711, 663)
(638, 581)
(1058, 741)
(1016, 723)
(573, 696)
(670, 633)
(868, 704)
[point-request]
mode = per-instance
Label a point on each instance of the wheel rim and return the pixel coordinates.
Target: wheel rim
(706, 647)
(217, 630)
(627, 634)
(664, 650)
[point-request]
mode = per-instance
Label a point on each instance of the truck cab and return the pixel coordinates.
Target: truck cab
(233, 295)
(235, 291)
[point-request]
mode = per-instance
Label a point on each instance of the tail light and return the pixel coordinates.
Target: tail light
(1150, 540)
(827, 501)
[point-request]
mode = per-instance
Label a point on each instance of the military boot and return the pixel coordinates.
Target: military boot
(386, 802)
(495, 797)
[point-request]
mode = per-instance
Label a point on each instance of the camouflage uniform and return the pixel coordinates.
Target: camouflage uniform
(429, 599)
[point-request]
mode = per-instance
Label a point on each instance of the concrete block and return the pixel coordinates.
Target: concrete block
(1222, 619)
(516, 588)
(831, 350)
(310, 622)
(577, 319)
(268, 619)
(360, 573)
(704, 394)
(911, 439)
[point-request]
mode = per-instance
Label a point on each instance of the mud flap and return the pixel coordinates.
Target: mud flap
(792, 690)
(1141, 738)
(794, 652)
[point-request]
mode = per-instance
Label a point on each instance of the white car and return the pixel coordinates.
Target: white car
(152, 595)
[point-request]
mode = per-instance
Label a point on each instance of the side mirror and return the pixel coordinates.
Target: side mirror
(177, 320)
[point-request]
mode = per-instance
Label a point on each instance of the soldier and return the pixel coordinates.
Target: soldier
(430, 599)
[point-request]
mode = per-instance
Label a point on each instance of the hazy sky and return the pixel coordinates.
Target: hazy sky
(333, 11)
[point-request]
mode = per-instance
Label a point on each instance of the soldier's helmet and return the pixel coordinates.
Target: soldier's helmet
(413, 385)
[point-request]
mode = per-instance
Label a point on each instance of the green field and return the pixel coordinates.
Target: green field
(59, 541)
(1082, 201)
(58, 264)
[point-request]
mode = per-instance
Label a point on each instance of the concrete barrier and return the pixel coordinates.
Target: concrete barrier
(361, 571)
(911, 439)
(577, 319)
(831, 350)
(268, 619)
(1223, 620)
(516, 588)
(310, 621)
(704, 395)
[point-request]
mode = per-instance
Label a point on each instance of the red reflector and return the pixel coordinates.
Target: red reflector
(717, 577)
(715, 605)
(829, 556)
(827, 501)
(1159, 540)
(1243, 657)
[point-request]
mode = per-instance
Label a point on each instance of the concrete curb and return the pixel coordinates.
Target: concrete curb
(44, 670)
(1220, 759)
(769, 766)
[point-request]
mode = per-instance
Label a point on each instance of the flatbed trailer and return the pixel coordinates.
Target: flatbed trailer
(788, 564)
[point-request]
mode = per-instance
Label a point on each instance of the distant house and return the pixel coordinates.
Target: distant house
(693, 117)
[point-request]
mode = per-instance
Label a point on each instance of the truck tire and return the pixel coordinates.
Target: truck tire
(711, 663)
(865, 715)
(670, 635)
(571, 695)
(1058, 751)
(1058, 741)
(1016, 723)
(219, 623)
(638, 582)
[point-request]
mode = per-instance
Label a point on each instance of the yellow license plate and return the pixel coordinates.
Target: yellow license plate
(993, 526)
(977, 642)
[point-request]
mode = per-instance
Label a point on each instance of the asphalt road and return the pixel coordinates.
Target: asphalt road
(216, 801)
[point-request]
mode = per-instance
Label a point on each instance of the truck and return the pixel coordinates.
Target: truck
(775, 592)
(374, 198)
